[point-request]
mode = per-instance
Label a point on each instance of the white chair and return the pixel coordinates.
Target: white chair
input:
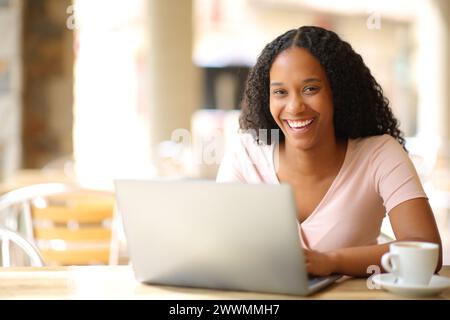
(69, 224)
(8, 238)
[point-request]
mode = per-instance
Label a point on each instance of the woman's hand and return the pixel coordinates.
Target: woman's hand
(320, 263)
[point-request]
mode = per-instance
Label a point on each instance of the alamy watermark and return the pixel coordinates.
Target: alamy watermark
(373, 22)
(71, 22)
(374, 270)
(211, 147)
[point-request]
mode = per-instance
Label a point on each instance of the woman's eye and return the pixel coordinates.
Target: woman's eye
(279, 91)
(310, 90)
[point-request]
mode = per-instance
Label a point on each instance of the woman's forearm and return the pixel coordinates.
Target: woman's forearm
(356, 261)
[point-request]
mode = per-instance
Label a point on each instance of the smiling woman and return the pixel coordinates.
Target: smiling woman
(301, 101)
(340, 149)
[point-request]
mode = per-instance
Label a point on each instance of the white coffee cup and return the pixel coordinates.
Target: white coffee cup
(411, 262)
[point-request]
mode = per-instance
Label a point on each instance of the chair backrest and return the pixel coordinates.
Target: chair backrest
(70, 225)
(8, 238)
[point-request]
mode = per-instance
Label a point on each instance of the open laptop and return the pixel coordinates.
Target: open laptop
(224, 236)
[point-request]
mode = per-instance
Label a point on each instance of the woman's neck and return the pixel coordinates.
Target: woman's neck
(316, 163)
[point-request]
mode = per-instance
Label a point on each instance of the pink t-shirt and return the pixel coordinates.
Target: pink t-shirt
(376, 176)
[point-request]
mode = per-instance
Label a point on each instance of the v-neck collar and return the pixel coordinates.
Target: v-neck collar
(333, 184)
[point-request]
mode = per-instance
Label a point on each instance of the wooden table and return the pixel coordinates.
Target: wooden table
(118, 282)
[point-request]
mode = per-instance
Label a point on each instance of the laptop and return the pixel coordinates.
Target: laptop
(227, 236)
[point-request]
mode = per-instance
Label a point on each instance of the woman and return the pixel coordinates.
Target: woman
(339, 148)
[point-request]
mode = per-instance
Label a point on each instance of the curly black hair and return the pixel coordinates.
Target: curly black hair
(360, 108)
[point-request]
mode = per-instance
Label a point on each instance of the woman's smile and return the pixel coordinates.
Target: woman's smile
(299, 126)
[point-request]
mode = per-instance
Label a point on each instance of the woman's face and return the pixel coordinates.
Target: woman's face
(301, 100)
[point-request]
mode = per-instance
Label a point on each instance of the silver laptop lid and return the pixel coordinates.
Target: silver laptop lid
(202, 234)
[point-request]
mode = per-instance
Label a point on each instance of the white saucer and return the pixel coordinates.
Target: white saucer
(436, 285)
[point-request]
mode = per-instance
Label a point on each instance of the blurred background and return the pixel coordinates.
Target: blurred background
(92, 90)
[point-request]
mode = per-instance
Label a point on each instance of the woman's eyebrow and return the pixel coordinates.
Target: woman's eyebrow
(276, 83)
(304, 81)
(311, 80)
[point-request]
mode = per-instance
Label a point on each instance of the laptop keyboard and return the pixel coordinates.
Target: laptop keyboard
(312, 280)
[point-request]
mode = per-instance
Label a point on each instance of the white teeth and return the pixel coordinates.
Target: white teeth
(299, 124)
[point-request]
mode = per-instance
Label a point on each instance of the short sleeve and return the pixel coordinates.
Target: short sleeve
(395, 176)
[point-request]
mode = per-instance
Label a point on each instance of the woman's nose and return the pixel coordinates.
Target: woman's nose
(296, 105)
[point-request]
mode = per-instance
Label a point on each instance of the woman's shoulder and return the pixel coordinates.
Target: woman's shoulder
(377, 150)
(375, 144)
(252, 162)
